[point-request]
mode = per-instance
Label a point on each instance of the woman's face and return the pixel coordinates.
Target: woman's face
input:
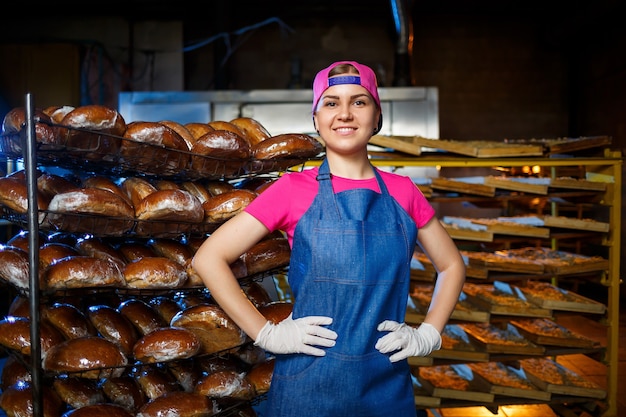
(346, 117)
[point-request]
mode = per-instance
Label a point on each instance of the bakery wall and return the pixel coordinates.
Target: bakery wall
(500, 73)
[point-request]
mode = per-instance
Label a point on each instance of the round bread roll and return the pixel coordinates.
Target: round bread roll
(89, 357)
(57, 113)
(104, 183)
(99, 410)
(21, 240)
(287, 145)
(137, 189)
(257, 294)
(171, 249)
(266, 255)
(220, 153)
(276, 311)
(83, 272)
(50, 185)
(114, 327)
(134, 250)
(217, 187)
(15, 120)
(97, 248)
(181, 130)
(106, 212)
(224, 125)
(14, 371)
(180, 404)
(15, 267)
(165, 306)
(78, 392)
(226, 384)
(14, 195)
(222, 207)
(155, 382)
(50, 253)
(261, 376)
(253, 130)
(19, 307)
(15, 335)
(154, 148)
(68, 320)
(175, 205)
(197, 190)
(17, 401)
(186, 373)
(93, 131)
(124, 391)
(166, 185)
(198, 129)
(216, 331)
(166, 344)
(141, 315)
(156, 272)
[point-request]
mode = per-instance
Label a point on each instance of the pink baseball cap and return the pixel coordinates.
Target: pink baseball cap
(366, 79)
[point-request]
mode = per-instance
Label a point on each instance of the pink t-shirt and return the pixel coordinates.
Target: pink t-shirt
(282, 204)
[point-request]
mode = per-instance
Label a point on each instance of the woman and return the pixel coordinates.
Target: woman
(353, 230)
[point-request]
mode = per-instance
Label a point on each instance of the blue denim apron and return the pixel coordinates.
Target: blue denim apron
(350, 261)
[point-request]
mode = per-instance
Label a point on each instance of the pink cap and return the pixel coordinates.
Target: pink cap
(366, 78)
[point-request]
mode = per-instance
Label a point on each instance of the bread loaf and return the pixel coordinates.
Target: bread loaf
(261, 376)
(180, 404)
(113, 326)
(89, 357)
(228, 204)
(155, 272)
(155, 382)
(224, 125)
(197, 190)
(276, 311)
(15, 120)
(137, 189)
(17, 401)
(83, 272)
(216, 331)
(216, 187)
(266, 255)
(97, 248)
(141, 315)
(134, 250)
(104, 183)
(181, 130)
(50, 185)
(186, 373)
(50, 253)
(14, 267)
(154, 148)
(288, 145)
(171, 249)
(219, 153)
(68, 320)
(14, 371)
(78, 392)
(124, 391)
(174, 205)
(165, 306)
(166, 344)
(93, 131)
(198, 129)
(226, 384)
(14, 195)
(253, 130)
(57, 113)
(15, 335)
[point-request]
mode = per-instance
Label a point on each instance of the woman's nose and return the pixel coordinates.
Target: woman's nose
(345, 113)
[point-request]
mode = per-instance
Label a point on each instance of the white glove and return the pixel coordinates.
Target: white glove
(407, 340)
(297, 336)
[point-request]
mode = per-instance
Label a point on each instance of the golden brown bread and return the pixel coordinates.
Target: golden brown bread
(14, 370)
(174, 205)
(50, 185)
(141, 315)
(134, 250)
(181, 130)
(165, 306)
(83, 272)
(154, 148)
(124, 391)
(113, 326)
(19, 307)
(266, 255)
(14, 195)
(276, 311)
(14, 267)
(216, 187)
(287, 145)
(171, 249)
(93, 131)
(224, 125)
(155, 382)
(186, 373)
(197, 190)
(226, 384)
(261, 376)
(253, 130)
(49, 253)
(68, 320)
(98, 248)
(17, 401)
(256, 293)
(166, 344)
(198, 129)
(228, 204)
(15, 335)
(15, 120)
(57, 113)
(219, 153)
(180, 404)
(155, 272)
(137, 189)
(216, 331)
(104, 183)
(78, 392)
(89, 357)
(99, 410)
(162, 184)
